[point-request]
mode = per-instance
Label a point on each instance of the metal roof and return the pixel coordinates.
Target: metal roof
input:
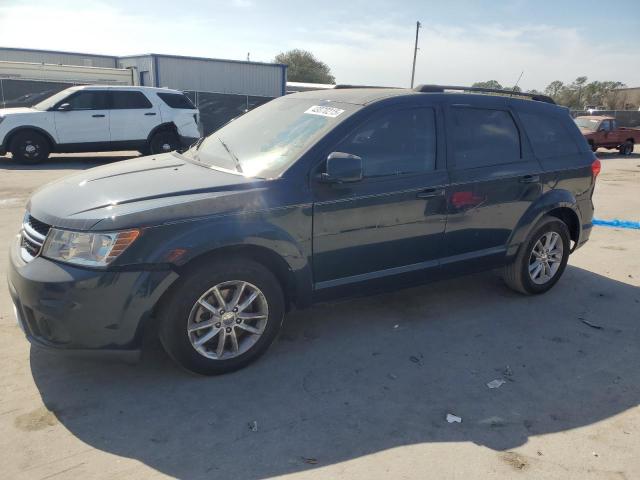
(208, 59)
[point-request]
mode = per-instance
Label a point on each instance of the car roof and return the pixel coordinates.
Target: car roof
(365, 96)
(123, 87)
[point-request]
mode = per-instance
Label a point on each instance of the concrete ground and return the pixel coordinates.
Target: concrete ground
(357, 389)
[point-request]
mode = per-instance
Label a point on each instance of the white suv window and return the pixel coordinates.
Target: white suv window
(87, 100)
(129, 100)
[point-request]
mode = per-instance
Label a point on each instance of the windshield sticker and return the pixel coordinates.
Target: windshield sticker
(324, 111)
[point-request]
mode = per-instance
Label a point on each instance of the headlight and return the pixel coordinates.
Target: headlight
(94, 249)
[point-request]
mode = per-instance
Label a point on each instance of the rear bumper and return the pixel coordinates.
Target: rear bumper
(61, 307)
(584, 234)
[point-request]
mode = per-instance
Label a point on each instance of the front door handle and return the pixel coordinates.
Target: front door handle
(431, 193)
(149, 114)
(530, 179)
(98, 115)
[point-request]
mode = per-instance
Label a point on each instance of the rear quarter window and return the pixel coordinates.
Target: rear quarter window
(549, 136)
(176, 100)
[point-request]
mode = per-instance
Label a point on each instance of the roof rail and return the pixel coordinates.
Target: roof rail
(343, 86)
(441, 88)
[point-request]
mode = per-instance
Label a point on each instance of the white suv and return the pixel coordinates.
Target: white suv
(100, 118)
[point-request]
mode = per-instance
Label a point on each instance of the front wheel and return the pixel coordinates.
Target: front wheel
(222, 316)
(541, 260)
(29, 147)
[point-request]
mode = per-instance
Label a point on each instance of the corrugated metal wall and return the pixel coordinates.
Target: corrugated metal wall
(142, 63)
(58, 58)
(220, 76)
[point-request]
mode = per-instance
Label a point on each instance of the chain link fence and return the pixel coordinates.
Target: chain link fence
(216, 109)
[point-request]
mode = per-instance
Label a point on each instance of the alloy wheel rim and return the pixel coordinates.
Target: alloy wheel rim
(227, 320)
(546, 258)
(30, 149)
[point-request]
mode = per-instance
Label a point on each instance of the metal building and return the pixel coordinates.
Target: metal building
(57, 58)
(221, 89)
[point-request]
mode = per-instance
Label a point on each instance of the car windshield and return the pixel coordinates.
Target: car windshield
(266, 141)
(587, 123)
(53, 99)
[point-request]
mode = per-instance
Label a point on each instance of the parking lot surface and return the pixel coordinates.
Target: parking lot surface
(357, 389)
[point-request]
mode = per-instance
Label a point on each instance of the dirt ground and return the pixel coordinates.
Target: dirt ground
(358, 389)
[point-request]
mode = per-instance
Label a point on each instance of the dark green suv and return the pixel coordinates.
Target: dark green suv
(308, 197)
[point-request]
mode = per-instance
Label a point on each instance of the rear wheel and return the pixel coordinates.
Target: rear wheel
(626, 148)
(541, 260)
(222, 316)
(163, 142)
(29, 147)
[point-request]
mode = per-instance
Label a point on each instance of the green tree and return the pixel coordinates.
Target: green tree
(303, 66)
(554, 89)
(488, 84)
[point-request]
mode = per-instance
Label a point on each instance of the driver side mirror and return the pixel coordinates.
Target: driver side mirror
(342, 168)
(65, 107)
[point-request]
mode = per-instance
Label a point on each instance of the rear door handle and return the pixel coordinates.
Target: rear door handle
(530, 179)
(149, 114)
(431, 193)
(97, 115)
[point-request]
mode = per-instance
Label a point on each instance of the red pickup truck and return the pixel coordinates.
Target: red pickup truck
(604, 132)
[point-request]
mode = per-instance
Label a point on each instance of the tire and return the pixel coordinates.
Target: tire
(183, 310)
(516, 274)
(164, 141)
(626, 148)
(29, 147)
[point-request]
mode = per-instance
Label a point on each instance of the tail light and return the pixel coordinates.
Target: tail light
(595, 168)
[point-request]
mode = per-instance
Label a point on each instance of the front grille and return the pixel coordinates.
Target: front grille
(34, 232)
(40, 227)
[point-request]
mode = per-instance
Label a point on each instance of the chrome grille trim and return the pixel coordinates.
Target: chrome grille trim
(31, 240)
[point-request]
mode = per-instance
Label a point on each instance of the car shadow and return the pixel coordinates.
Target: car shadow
(69, 161)
(355, 377)
(614, 155)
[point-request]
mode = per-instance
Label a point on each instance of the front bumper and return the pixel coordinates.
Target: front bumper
(63, 307)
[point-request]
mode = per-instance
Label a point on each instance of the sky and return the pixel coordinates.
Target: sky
(364, 42)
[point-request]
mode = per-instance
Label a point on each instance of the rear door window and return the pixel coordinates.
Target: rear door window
(129, 100)
(548, 136)
(395, 143)
(176, 100)
(484, 137)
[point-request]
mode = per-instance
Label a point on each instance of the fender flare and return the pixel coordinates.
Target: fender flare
(7, 138)
(549, 201)
(163, 126)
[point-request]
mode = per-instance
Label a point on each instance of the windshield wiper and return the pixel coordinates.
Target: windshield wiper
(232, 155)
(196, 145)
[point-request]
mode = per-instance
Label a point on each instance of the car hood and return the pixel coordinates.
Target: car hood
(4, 112)
(144, 192)
(585, 131)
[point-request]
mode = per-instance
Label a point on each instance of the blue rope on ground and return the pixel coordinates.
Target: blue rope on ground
(617, 223)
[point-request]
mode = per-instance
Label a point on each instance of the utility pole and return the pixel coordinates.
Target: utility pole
(415, 52)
